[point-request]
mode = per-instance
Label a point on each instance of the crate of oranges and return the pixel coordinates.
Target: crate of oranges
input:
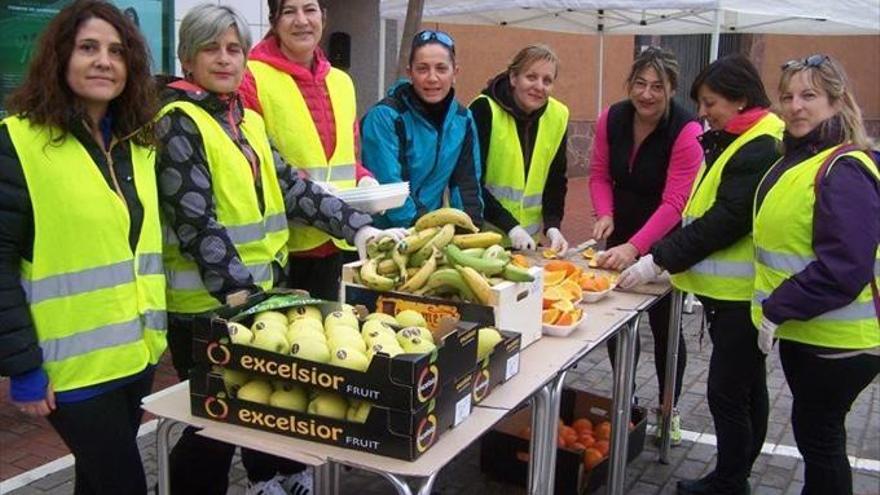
(583, 442)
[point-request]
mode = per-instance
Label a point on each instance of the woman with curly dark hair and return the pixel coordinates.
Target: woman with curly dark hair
(82, 289)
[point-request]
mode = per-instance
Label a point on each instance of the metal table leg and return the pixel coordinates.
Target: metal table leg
(622, 404)
(552, 432)
(327, 479)
(671, 367)
(539, 441)
(163, 439)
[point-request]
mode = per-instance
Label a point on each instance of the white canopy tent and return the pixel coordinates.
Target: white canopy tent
(656, 17)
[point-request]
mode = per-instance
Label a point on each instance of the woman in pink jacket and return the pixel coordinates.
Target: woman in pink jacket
(645, 157)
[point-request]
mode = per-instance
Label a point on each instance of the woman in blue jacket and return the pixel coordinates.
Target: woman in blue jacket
(421, 134)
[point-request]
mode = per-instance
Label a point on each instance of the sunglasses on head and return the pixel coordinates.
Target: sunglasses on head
(812, 61)
(427, 36)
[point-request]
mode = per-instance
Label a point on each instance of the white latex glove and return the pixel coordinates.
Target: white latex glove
(557, 241)
(367, 181)
(642, 272)
(766, 332)
(367, 233)
(520, 239)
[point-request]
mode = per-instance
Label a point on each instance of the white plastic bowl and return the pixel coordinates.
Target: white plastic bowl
(562, 330)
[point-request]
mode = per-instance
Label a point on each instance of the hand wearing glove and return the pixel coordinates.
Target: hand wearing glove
(557, 241)
(642, 272)
(520, 239)
(766, 331)
(367, 181)
(618, 258)
(368, 233)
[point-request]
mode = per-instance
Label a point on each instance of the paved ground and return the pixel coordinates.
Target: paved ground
(27, 444)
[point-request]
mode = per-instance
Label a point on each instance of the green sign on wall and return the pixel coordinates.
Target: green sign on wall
(22, 21)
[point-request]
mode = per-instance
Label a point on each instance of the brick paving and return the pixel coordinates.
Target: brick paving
(27, 443)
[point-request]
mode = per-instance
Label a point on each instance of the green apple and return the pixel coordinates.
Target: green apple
(378, 337)
(391, 348)
(341, 317)
(487, 339)
(329, 405)
(271, 315)
(377, 326)
(416, 345)
(311, 349)
(358, 411)
(347, 341)
(383, 317)
(270, 324)
(293, 398)
(234, 379)
(411, 318)
(304, 326)
(410, 332)
(257, 391)
(339, 330)
(349, 357)
(310, 312)
(239, 334)
(271, 340)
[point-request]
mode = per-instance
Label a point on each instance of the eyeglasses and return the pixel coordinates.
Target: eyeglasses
(812, 61)
(427, 36)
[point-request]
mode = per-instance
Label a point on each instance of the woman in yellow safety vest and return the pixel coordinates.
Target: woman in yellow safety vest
(310, 113)
(816, 230)
(712, 257)
(226, 198)
(82, 291)
(523, 141)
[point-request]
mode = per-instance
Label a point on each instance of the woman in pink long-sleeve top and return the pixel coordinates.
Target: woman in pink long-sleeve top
(644, 160)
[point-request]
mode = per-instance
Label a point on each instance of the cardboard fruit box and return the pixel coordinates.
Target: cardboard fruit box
(504, 451)
(384, 431)
(498, 367)
(515, 306)
(406, 381)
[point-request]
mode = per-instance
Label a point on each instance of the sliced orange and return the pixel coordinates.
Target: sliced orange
(564, 305)
(553, 277)
(549, 316)
(561, 265)
(565, 319)
(520, 261)
(554, 294)
(574, 290)
(603, 283)
(588, 253)
(549, 254)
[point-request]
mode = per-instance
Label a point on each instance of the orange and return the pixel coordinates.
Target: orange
(520, 261)
(577, 446)
(561, 265)
(587, 282)
(549, 316)
(586, 439)
(569, 436)
(565, 319)
(602, 431)
(549, 254)
(552, 295)
(582, 425)
(564, 305)
(592, 457)
(573, 289)
(522, 456)
(602, 446)
(553, 277)
(602, 283)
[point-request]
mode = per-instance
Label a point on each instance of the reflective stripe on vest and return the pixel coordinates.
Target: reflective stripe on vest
(258, 237)
(78, 290)
(523, 197)
(784, 252)
(727, 274)
(290, 126)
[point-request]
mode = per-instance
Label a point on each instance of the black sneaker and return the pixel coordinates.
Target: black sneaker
(708, 485)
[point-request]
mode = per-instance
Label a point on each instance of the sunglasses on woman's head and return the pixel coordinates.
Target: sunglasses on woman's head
(812, 61)
(426, 36)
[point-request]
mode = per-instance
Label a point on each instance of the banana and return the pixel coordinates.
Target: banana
(371, 277)
(517, 274)
(475, 252)
(387, 268)
(418, 280)
(483, 265)
(414, 242)
(483, 240)
(377, 248)
(478, 285)
(399, 258)
(497, 252)
(449, 278)
(444, 216)
(439, 241)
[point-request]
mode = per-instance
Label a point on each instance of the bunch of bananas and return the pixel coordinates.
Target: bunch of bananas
(434, 260)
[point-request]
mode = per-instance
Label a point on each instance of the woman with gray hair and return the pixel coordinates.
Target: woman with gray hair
(220, 181)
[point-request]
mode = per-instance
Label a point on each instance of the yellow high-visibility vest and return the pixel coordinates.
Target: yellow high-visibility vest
(98, 308)
(292, 130)
(727, 274)
(259, 237)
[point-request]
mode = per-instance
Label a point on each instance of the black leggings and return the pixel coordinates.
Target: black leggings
(658, 317)
(319, 276)
(101, 432)
(823, 390)
(199, 464)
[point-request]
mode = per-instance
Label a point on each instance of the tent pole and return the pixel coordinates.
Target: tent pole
(716, 36)
(382, 48)
(601, 74)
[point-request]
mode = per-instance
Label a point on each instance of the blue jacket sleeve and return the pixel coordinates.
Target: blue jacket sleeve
(465, 181)
(380, 153)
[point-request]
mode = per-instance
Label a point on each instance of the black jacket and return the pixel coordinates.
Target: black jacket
(19, 350)
(730, 218)
(553, 207)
